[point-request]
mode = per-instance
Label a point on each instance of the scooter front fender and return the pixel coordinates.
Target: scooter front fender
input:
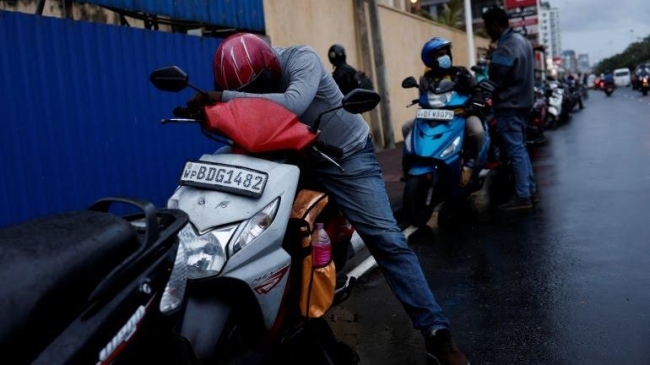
(421, 170)
(204, 320)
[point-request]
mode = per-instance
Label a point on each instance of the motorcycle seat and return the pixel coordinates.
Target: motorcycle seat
(50, 266)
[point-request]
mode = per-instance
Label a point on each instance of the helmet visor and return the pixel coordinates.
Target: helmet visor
(265, 82)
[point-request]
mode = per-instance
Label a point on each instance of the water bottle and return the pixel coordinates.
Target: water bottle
(321, 248)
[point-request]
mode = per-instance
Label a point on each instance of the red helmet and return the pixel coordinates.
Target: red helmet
(246, 62)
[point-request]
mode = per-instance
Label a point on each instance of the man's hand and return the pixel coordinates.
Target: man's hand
(490, 50)
(201, 99)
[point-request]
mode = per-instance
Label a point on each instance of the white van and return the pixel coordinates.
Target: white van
(622, 77)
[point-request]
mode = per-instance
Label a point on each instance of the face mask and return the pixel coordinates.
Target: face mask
(444, 62)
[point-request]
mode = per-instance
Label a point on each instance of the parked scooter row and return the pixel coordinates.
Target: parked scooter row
(246, 259)
(562, 98)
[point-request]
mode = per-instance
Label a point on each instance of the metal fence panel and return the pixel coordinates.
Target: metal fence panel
(80, 119)
(239, 14)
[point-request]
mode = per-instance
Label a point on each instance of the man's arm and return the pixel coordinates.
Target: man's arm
(500, 66)
(304, 72)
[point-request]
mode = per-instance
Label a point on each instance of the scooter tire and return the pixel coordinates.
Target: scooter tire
(456, 215)
(418, 199)
(552, 121)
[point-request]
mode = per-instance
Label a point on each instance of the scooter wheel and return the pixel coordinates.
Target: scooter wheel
(551, 122)
(418, 199)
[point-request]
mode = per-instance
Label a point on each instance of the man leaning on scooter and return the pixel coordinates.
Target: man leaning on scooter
(295, 78)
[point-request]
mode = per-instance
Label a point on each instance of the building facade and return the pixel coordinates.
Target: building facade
(583, 63)
(549, 30)
(569, 61)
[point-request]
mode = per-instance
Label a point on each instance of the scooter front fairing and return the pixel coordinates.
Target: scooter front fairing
(433, 142)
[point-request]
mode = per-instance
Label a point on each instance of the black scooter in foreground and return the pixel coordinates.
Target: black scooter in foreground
(91, 287)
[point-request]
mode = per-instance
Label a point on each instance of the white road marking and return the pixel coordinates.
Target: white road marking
(369, 263)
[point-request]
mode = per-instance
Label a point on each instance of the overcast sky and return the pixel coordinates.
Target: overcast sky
(602, 28)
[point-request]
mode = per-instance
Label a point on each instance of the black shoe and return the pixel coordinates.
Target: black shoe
(517, 204)
(534, 198)
(442, 349)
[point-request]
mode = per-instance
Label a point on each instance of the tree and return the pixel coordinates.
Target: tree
(452, 14)
(634, 55)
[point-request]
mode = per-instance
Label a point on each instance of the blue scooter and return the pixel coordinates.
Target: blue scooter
(433, 157)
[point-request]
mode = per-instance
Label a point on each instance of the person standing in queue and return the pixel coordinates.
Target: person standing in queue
(512, 70)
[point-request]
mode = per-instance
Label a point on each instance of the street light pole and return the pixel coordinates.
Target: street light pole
(469, 29)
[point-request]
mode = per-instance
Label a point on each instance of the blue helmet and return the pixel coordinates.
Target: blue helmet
(431, 47)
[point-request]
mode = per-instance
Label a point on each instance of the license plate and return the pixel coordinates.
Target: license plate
(222, 177)
(436, 114)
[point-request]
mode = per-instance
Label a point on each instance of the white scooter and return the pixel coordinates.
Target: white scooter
(254, 282)
(554, 98)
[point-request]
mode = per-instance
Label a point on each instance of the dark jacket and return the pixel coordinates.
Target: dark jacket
(433, 78)
(344, 77)
(512, 68)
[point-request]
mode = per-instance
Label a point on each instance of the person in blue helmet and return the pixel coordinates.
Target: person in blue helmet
(437, 57)
(608, 77)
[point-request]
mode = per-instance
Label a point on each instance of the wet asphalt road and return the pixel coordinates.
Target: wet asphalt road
(566, 284)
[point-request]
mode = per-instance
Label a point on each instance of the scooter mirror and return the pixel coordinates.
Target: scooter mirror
(409, 82)
(360, 101)
(170, 78)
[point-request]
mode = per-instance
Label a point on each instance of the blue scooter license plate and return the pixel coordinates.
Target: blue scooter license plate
(434, 114)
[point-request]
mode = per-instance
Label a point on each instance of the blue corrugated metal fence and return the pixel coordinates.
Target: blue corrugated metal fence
(80, 119)
(239, 14)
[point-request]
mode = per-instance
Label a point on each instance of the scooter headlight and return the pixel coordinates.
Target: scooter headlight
(175, 290)
(438, 100)
(255, 226)
(206, 253)
(453, 146)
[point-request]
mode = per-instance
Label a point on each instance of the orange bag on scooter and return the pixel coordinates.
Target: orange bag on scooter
(316, 284)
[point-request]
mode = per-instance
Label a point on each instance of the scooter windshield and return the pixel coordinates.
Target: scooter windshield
(258, 125)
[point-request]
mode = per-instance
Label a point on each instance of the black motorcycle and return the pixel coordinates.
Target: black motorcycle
(609, 87)
(91, 287)
(644, 84)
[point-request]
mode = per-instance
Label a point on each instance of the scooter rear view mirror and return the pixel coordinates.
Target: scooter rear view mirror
(360, 101)
(409, 82)
(170, 78)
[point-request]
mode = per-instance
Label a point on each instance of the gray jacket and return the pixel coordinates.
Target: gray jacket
(512, 69)
(308, 89)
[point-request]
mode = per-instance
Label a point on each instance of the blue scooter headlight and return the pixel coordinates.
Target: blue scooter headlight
(451, 148)
(438, 100)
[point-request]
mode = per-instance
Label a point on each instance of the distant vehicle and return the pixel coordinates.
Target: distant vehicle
(599, 83)
(643, 68)
(622, 77)
(591, 81)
